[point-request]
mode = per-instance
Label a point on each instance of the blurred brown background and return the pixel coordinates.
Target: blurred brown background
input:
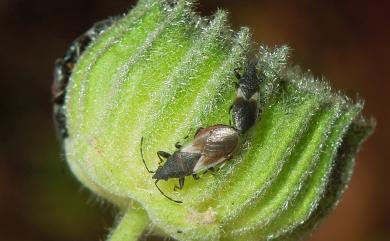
(347, 41)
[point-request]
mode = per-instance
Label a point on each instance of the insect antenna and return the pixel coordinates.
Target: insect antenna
(176, 201)
(142, 156)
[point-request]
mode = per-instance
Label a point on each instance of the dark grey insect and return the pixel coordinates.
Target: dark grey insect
(245, 108)
(63, 69)
(210, 147)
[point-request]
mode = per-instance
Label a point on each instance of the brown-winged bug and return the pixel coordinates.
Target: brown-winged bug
(245, 108)
(210, 147)
(215, 144)
(63, 69)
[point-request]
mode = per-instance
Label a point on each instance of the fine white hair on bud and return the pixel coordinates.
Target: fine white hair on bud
(159, 73)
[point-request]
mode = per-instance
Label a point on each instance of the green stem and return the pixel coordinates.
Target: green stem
(130, 226)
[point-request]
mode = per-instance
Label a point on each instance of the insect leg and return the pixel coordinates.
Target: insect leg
(197, 130)
(188, 135)
(213, 170)
(181, 184)
(230, 115)
(176, 201)
(142, 155)
(195, 176)
(178, 145)
(161, 155)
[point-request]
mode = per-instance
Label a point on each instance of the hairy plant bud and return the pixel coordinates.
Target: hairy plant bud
(162, 71)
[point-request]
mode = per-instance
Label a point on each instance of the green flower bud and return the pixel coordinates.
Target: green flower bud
(162, 71)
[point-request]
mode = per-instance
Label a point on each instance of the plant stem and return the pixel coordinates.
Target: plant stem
(130, 226)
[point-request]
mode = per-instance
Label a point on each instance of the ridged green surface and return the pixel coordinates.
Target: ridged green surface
(161, 72)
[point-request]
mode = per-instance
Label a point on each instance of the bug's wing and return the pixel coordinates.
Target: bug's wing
(219, 146)
(206, 162)
(221, 142)
(197, 145)
(214, 153)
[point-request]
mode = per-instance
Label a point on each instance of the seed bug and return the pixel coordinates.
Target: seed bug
(210, 147)
(63, 69)
(245, 107)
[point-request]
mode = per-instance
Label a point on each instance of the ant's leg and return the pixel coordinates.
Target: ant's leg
(181, 184)
(161, 155)
(195, 176)
(176, 201)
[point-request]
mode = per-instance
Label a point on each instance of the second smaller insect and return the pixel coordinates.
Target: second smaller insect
(210, 147)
